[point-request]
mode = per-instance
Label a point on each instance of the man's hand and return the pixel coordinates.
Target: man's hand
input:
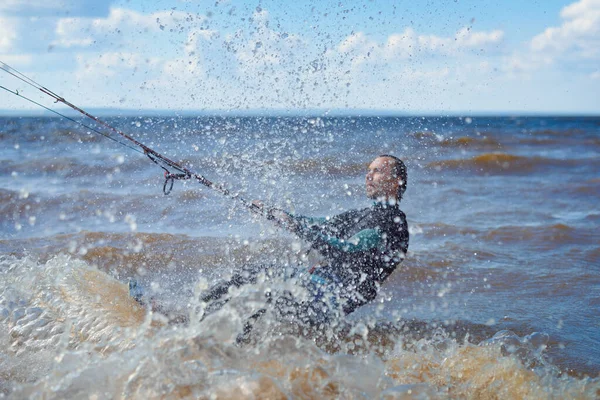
(258, 204)
(280, 216)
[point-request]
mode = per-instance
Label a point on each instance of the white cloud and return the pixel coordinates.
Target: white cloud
(178, 60)
(110, 64)
(410, 44)
(263, 47)
(192, 65)
(64, 30)
(259, 66)
(17, 60)
(356, 41)
(174, 55)
(579, 33)
(465, 38)
(579, 8)
(426, 74)
(123, 27)
(525, 63)
(575, 44)
(400, 44)
(8, 33)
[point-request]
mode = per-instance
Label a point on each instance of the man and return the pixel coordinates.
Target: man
(362, 248)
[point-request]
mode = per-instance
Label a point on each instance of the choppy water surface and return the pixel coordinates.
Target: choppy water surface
(499, 296)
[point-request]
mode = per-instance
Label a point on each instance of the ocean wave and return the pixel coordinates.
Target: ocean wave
(561, 132)
(593, 142)
(427, 136)
(501, 163)
(536, 141)
(441, 229)
(52, 136)
(589, 187)
(65, 167)
(88, 336)
(60, 135)
(40, 300)
(482, 141)
(593, 256)
(149, 253)
(543, 236)
(537, 236)
(472, 143)
(23, 204)
(16, 204)
(80, 135)
(546, 236)
(422, 269)
(557, 141)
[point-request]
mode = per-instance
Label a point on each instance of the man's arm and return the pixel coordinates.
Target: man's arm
(364, 240)
(296, 223)
(310, 229)
(330, 245)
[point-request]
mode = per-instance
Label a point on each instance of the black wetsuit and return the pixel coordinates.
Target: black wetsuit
(362, 247)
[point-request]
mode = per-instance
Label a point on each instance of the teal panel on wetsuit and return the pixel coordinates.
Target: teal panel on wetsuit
(366, 239)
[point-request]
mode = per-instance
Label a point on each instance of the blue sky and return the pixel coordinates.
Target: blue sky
(440, 57)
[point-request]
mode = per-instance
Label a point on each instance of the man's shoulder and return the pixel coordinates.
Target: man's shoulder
(391, 210)
(351, 213)
(393, 220)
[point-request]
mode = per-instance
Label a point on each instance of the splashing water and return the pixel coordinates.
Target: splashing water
(69, 330)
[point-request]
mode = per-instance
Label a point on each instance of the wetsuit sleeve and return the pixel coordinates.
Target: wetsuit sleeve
(364, 240)
(309, 221)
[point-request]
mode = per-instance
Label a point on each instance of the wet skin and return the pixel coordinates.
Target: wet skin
(381, 181)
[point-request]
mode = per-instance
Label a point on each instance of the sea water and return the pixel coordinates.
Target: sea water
(499, 296)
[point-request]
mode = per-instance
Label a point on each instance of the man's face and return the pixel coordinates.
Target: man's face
(381, 181)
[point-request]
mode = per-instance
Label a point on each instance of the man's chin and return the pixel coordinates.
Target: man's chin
(375, 196)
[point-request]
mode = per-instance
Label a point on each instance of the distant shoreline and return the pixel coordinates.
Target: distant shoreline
(109, 112)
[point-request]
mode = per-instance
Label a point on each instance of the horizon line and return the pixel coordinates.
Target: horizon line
(306, 113)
